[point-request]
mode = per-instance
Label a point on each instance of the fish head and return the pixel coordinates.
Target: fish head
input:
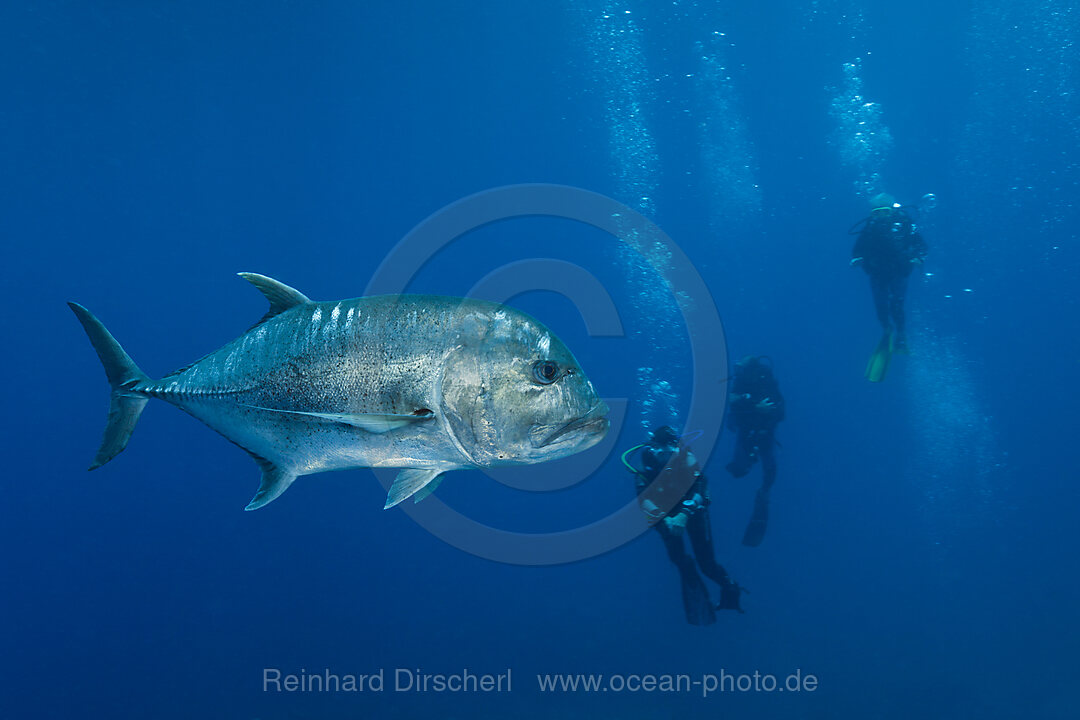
(513, 393)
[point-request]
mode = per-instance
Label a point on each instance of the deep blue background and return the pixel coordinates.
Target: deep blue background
(922, 548)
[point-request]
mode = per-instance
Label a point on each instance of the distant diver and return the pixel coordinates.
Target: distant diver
(674, 495)
(756, 408)
(887, 248)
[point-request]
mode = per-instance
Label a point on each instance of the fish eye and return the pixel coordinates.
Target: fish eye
(546, 372)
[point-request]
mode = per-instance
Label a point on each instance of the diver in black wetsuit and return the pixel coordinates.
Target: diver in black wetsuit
(674, 494)
(888, 247)
(756, 408)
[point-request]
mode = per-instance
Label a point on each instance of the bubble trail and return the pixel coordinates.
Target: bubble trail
(613, 41)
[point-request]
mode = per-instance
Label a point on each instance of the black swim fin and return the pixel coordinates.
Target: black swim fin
(731, 597)
(755, 529)
(879, 361)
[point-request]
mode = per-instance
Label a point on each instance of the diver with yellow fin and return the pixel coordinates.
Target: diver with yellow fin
(888, 246)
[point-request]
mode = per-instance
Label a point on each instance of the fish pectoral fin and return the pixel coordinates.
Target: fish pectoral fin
(410, 482)
(377, 422)
(372, 422)
(275, 480)
(281, 296)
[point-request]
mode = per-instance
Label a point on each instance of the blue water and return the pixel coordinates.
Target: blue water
(920, 559)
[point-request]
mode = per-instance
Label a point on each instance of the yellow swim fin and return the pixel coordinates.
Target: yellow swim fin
(879, 361)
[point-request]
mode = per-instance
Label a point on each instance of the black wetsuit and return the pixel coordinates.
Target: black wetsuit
(887, 246)
(757, 407)
(699, 608)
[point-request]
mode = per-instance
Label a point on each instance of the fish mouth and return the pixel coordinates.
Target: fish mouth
(593, 424)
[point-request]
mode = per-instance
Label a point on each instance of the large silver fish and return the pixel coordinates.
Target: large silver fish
(419, 382)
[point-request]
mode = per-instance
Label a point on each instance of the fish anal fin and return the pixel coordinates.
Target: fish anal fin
(410, 482)
(428, 489)
(275, 480)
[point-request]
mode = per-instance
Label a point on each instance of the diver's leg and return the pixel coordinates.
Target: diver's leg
(699, 528)
(695, 596)
(879, 286)
(768, 462)
(898, 291)
(755, 529)
(744, 454)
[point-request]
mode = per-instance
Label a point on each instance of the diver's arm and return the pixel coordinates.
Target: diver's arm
(648, 460)
(737, 405)
(741, 401)
(652, 461)
(641, 484)
(778, 400)
(696, 492)
(700, 489)
(862, 246)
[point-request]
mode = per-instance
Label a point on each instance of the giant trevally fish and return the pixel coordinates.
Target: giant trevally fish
(419, 382)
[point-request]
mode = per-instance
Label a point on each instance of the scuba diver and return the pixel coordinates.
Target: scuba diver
(673, 493)
(756, 408)
(887, 248)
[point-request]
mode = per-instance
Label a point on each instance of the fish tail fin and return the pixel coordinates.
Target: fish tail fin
(126, 402)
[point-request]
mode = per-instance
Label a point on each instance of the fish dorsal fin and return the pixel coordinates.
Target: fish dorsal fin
(410, 482)
(281, 296)
(372, 422)
(275, 480)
